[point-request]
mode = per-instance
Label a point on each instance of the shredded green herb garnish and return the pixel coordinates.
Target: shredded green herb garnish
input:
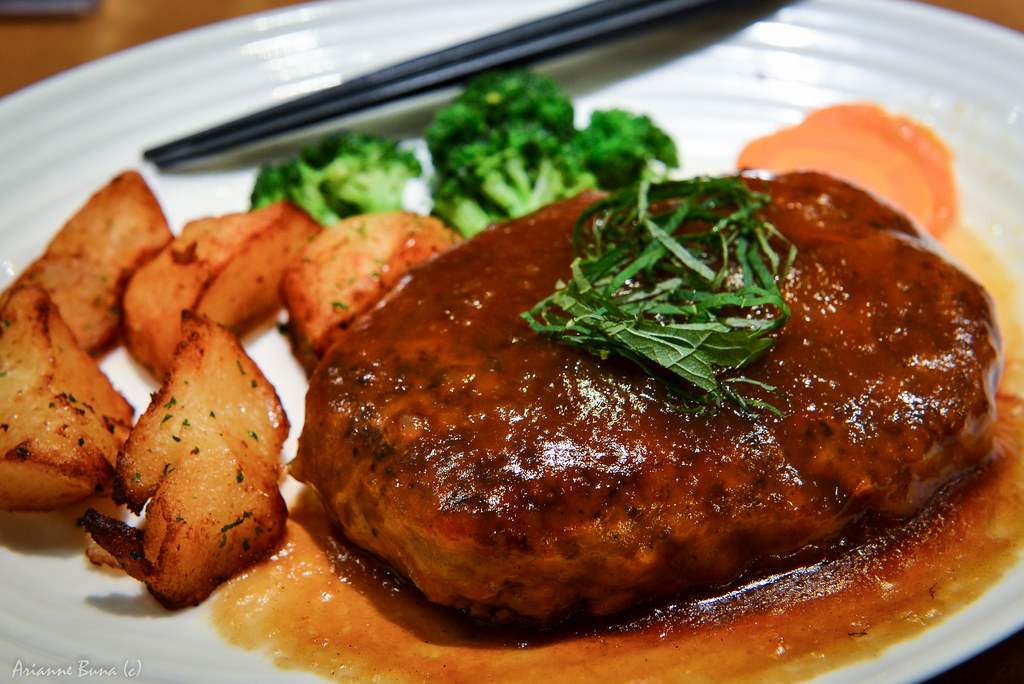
(681, 278)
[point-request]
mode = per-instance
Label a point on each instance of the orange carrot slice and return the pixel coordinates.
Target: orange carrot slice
(897, 158)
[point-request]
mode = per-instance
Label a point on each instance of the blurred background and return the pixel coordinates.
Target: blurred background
(65, 33)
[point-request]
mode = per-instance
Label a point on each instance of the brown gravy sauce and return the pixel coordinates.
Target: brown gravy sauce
(320, 605)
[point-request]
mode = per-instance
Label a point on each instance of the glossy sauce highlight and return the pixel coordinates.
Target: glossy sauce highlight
(322, 606)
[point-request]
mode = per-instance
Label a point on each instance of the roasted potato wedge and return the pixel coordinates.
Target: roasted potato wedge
(61, 421)
(203, 463)
(347, 268)
(225, 268)
(86, 266)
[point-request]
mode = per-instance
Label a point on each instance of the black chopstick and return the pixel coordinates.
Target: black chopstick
(517, 46)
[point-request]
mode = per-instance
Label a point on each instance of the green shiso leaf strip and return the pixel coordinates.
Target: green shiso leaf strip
(681, 278)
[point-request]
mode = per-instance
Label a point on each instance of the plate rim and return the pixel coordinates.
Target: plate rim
(152, 51)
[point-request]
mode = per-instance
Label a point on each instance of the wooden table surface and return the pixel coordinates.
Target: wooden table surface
(32, 49)
(35, 48)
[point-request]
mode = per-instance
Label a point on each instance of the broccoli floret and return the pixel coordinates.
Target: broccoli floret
(620, 148)
(510, 173)
(459, 210)
(498, 99)
(269, 187)
(504, 148)
(342, 175)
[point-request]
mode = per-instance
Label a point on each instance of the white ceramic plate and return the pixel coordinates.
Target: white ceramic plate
(64, 138)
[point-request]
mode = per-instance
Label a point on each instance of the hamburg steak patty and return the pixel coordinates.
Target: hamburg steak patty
(522, 479)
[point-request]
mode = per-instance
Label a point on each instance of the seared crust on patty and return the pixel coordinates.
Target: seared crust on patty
(521, 479)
